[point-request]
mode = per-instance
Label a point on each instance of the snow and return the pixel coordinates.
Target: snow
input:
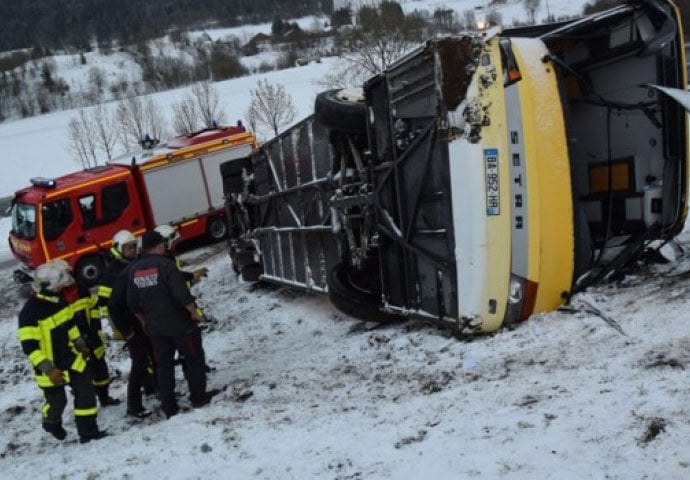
(312, 393)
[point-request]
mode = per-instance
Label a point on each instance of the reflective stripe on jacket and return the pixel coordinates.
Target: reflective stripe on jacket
(82, 303)
(46, 331)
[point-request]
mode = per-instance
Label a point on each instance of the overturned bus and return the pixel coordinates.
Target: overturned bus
(481, 178)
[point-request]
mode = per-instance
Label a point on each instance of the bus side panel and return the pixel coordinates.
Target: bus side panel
(290, 206)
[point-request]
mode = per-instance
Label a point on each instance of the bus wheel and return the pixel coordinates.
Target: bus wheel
(88, 271)
(217, 229)
(342, 110)
(357, 292)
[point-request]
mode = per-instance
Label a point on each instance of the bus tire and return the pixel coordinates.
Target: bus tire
(349, 293)
(343, 110)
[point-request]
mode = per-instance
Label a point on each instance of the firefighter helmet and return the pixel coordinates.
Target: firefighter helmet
(53, 276)
(122, 238)
(170, 235)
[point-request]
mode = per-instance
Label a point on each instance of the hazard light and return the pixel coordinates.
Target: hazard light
(43, 182)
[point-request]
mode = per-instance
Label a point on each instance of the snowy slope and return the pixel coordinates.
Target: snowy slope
(313, 394)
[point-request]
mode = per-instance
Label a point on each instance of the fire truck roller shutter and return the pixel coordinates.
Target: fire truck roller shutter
(176, 192)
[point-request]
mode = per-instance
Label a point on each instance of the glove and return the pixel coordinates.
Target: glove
(197, 317)
(199, 274)
(84, 350)
(55, 376)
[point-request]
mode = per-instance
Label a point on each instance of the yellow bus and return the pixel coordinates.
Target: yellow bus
(482, 177)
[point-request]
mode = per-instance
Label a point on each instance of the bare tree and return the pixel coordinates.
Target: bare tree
(372, 52)
(137, 118)
(153, 119)
(83, 142)
(207, 103)
(129, 118)
(201, 106)
(184, 119)
(532, 6)
(103, 130)
(270, 106)
(367, 53)
(97, 83)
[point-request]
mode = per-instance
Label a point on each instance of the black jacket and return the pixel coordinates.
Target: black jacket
(120, 314)
(105, 284)
(157, 290)
(47, 330)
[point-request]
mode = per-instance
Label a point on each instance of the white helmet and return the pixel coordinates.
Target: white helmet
(122, 238)
(53, 276)
(169, 233)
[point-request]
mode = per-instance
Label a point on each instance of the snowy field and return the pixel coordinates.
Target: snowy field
(311, 393)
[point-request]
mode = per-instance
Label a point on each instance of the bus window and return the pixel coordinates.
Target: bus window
(57, 216)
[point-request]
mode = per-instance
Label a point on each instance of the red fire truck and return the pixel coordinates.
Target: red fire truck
(75, 216)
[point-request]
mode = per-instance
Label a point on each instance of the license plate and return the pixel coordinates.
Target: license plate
(493, 197)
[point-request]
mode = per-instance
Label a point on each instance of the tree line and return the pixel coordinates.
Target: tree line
(78, 24)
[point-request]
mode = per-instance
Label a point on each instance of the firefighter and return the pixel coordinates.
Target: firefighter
(113, 293)
(158, 295)
(122, 253)
(171, 239)
(88, 321)
(50, 338)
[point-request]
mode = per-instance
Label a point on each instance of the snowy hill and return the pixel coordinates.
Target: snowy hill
(310, 393)
(25, 157)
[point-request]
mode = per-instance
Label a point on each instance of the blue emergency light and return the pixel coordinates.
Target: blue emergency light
(44, 182)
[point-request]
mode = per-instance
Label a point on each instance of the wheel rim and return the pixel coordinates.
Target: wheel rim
(90, 272)
(217, 228)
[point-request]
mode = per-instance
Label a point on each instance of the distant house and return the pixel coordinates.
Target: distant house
(256, 44)
(295, 36)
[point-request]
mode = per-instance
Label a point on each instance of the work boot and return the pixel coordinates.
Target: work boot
(170, 411)
(206, 399)
(109, 401)
(140, 414)
(55, 429)
(93, 436)
(106, 400)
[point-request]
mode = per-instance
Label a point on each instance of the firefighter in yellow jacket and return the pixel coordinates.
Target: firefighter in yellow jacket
(50, 338)
(88, 319)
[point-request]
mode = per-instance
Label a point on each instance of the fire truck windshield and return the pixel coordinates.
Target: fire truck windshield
(24, 220)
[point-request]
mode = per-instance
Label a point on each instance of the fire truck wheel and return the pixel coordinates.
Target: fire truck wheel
(356, 293)
(343, 110)
(217, 229)
(88, 271)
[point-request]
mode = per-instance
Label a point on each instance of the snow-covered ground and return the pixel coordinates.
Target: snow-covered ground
(311, 393)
